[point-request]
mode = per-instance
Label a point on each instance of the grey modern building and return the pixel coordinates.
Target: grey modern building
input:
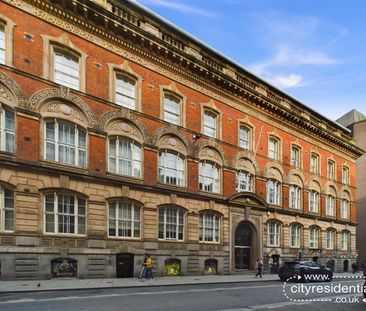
(356, 122)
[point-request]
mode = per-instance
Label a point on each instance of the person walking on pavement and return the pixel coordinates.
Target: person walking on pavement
(143, 268)
(149, 265)
(259, 267)
(354, 268)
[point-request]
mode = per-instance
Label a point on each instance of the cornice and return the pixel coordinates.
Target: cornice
(156, 51)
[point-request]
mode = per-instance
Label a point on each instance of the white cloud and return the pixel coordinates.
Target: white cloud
(289, 81)
(178, 6)
(295, 44)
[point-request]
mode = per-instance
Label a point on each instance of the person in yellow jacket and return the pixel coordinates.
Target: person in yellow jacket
(149, 265)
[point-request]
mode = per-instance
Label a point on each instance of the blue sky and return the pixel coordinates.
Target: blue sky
(314, 50)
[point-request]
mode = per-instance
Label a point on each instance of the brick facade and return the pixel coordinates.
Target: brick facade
(203, 80)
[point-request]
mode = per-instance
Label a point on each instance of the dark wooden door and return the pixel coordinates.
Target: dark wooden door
(125, 265)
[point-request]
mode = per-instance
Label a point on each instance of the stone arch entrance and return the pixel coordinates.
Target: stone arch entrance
(245, 246)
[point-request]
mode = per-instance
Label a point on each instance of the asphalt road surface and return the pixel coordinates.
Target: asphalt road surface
(225, 297)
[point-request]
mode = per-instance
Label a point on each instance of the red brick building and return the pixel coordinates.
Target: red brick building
(121, 134)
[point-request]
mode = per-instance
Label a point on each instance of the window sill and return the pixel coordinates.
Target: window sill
(115, 238)
(211, 194)
(172, 187)
(170, 241)
(62, 166)
(64, 235)
(125, 177)
(210, 243)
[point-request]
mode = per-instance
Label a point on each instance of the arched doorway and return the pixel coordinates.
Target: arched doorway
(243, 244)
(345, 266)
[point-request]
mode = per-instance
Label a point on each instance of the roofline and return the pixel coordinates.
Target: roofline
(159, 18)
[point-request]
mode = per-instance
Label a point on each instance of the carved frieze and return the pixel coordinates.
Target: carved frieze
(172, 143)
(44, 95)
(124, 113)
(10, 91)
(215, 152)
(66, 110)
(164, 136)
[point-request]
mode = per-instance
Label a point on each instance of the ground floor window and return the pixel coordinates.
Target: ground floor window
(210, 266)
(172, 267)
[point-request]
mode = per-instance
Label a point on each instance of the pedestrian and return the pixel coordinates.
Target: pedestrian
(259, 267)
(149, 265)
(354, 268)
(143, 268)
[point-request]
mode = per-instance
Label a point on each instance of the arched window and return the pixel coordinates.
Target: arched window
(171, 168)
(330, 239)
(124, 219)
(7, 129)
(209, 227)
(344, 240)
(314, 237)
(331, 205)
(6, 209)
(125, 91)
(345, 209)
(273, 192)
(314, 201)
(273, 229)
(65, 142)
(244, 181)
(124, 156)
(295, 197)
(295, 231)
(64, 214)
(171, 223)
(209, 176)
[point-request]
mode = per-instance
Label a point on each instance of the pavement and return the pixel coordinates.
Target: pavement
(75, 284)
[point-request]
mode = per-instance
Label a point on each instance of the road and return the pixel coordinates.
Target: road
(225, 297)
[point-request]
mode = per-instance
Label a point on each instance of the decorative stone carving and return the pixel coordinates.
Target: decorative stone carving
(295, 179)
(314, 185)
(220, 154)
(64, 181)
(172, 142)
(172, 132)
(274, 169)
(246, 165)
(66, 110)
(210, 154)
(10, 90)
(41, 96)
(124, 113)
(122, 128)
(5, 94)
